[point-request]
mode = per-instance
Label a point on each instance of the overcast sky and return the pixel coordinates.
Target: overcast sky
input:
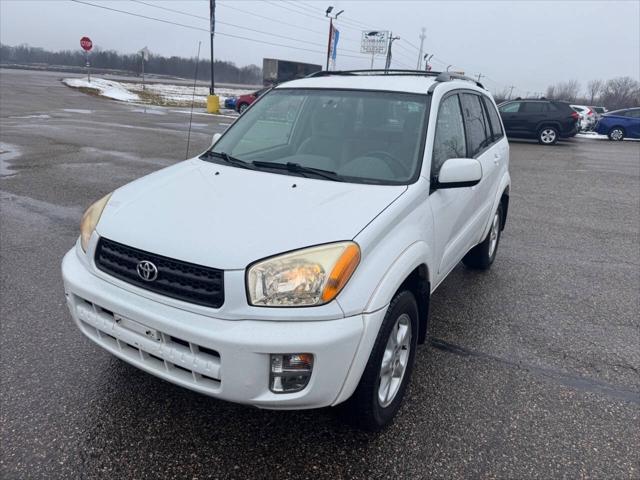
(529, 44)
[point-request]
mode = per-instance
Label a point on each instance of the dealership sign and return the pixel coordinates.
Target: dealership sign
(374, 41)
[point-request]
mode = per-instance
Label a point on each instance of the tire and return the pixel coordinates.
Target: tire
(548, 135)
(379, 395)
(482, 255)
(242, 107)
(616, 134)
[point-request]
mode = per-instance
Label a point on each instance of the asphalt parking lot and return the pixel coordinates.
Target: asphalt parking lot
(532, 369)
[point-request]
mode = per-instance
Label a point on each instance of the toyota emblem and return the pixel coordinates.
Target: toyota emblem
(147, 271)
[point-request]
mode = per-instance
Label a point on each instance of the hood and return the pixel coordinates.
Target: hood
(227, 217)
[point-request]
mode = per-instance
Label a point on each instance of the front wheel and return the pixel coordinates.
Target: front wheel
(482, 255)
(242, 107)
(548, 135)
(379, 394)
(616, 134)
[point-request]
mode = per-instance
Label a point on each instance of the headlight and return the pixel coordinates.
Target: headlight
(90, 220)
(313, 276)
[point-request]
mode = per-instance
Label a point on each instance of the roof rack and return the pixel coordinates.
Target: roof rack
(440, 76)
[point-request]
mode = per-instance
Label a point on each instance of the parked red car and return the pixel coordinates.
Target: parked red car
(244, 101)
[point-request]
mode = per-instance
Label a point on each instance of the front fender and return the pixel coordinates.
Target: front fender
(412, 257)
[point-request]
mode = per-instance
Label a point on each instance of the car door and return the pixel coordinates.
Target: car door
(510, 117)
(500, 147)
(480, 146)
(450, 207)
(634, 123)
(533, 114)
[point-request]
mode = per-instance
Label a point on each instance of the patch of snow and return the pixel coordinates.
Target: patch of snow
(105, 88)
(596, 136)
(183, 94)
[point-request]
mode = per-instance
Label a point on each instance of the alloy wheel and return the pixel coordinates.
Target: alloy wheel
(493, 234)
(548, 135)
(395, 360)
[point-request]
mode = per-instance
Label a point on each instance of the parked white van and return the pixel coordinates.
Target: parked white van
(290, 266)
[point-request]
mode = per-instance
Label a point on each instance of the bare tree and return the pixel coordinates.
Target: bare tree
(621, 92)
(594, 88)
(551, 92)
(568, 91)
(501, 95)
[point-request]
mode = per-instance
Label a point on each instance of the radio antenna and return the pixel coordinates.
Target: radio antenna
(193, 97)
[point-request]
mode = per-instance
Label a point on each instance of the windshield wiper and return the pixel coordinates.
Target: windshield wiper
(229, 159)
(297, 168)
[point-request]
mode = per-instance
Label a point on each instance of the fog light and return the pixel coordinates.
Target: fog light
(290, 372)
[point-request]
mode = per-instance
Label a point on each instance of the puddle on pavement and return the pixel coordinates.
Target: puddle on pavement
(8, 153)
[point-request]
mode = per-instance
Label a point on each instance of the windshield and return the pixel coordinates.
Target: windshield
(356, 136)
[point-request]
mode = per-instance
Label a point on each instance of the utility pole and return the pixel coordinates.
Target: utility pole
(331, 19)
(511, 90)
(391, 40)
(422, 37)
(213, 102)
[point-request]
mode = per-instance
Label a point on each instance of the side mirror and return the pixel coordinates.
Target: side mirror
(216, 137)
(458, 173)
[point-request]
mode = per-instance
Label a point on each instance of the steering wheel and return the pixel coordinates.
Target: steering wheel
(398, 168)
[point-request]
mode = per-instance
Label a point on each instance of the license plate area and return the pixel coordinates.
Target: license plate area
(139, 328)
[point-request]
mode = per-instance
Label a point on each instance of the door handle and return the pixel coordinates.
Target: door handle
(496, 158)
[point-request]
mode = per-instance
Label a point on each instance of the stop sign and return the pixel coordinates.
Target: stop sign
(86, 43)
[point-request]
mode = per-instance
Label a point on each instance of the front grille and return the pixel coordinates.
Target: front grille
(176, 279)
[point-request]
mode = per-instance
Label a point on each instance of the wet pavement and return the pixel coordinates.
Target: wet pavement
(532, 369)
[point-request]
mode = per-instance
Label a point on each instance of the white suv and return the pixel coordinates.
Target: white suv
(290, 266)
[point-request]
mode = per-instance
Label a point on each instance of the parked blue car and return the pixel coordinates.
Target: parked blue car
(620, 124)
(230, 102)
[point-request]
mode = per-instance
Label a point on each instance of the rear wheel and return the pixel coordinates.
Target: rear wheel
(379, 394)
(242, 107)
(616, 134)
(548, 135)
(482, 255)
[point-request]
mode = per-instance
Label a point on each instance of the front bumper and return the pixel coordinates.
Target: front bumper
(227, 359)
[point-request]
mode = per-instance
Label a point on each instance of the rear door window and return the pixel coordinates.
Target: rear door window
(512, 107)
(534, 107)
(476, 123)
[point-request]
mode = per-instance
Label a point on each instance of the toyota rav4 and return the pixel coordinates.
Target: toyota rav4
(290, 265)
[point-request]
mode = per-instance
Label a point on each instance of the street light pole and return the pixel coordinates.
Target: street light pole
(212, 17)
(422, 37)
(391, 40)
(331, 19)
(213, 101)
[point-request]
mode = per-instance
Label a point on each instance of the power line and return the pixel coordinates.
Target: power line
(230, 24)
(170, 10)
(270, 19)
(224, 34)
